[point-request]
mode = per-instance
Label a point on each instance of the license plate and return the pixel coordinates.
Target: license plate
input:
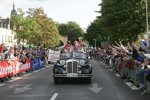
(72, 75)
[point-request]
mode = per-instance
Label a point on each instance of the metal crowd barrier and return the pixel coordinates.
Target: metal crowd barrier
(15, 67)
(134, 73)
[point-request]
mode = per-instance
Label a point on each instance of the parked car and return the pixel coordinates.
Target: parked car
(72, 65)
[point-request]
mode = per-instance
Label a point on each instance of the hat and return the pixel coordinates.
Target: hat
(80, 38)
(140, 59)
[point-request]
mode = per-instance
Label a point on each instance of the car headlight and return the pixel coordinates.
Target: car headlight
(62, 62)
(80, 72)
(82, 62)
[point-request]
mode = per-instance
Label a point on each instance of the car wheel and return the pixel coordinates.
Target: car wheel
(56, 81)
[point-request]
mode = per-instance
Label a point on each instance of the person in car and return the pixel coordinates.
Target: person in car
(81, 44)
(76, 46)
(67, 46)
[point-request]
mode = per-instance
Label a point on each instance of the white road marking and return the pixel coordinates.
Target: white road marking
(134, 88)
(117, 75)
(11, 80)
(42, 69)
(28, 74)
(36, 71)
(54, 96)
(48, 66)
(2, 84)
(14, 79)
(129, 84)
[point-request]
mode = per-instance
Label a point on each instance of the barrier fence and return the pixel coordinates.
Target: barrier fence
(14, 67)
(8, 68)
(129, 70)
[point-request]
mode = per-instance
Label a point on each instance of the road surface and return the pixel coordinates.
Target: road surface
(39, 85)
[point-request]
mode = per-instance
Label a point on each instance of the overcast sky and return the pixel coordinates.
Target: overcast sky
(62, 11)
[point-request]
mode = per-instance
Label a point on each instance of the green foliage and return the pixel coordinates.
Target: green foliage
(29, 26)
(49, 33)
(95, 32)
(119, 19)
(123, 19)
(72, 29)
(38, 29)
(63, 29)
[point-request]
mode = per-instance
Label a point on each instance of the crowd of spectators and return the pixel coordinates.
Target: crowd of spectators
(22, 53)
(131, 61)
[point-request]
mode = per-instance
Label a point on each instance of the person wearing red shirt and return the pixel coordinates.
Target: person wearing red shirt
(67, 47)
(1, 48)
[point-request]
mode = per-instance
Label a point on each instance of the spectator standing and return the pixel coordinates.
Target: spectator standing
(1, 48)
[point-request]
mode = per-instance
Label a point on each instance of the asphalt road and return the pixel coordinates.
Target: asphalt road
(39, 86)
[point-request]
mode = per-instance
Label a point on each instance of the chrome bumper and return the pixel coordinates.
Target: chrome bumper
(72, 75)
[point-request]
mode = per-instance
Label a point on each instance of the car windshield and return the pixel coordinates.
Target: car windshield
(73, 55)
(65, 55)
(79, 55)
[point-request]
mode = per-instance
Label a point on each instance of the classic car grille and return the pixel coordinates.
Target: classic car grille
(72, 67)
(69, 67)
(75, 67)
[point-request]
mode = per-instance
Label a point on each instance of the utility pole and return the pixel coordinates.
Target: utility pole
(147, 26)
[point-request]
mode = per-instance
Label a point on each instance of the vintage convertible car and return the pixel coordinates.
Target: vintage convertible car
(72, 65)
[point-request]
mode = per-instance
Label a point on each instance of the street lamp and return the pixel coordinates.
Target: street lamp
(147, 27)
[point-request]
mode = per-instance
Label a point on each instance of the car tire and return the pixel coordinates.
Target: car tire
(56, 81)
(88, 80)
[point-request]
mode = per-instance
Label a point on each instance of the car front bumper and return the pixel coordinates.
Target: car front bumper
(72, 75)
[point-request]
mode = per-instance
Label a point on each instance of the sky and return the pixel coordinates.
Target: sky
(62, 11)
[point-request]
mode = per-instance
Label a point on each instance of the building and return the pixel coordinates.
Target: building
(7, 22)
(7, 36)
(4, 23)
(64, 39)
(13, 13)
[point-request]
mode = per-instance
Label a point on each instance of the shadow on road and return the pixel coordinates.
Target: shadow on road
(73, 81)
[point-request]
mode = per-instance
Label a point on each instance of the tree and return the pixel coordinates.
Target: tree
(24, 27)
(95, 32)
(49, 35)
(36, 28)
(62, 28)
(71, 29)
(123, 19)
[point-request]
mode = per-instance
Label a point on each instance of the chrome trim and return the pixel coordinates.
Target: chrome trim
(70, 66)
(76, 76)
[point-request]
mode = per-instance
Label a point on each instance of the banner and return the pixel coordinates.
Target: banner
(53, 56)
(5, 69)
(13, 67)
